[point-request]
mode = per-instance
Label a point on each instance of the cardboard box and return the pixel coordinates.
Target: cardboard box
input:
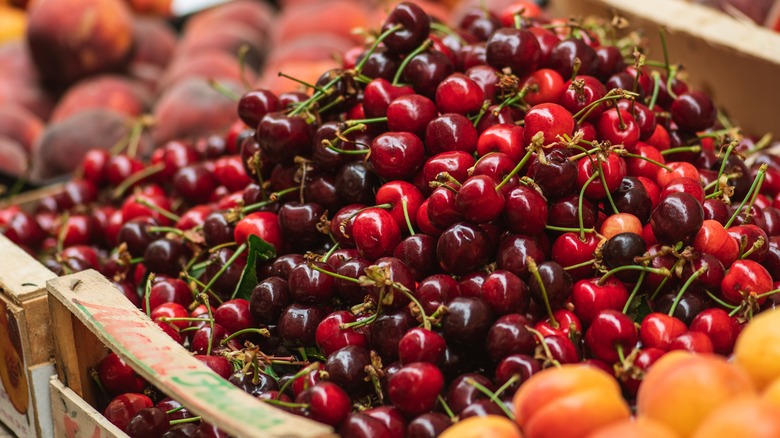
(92, 316)
(26, 346)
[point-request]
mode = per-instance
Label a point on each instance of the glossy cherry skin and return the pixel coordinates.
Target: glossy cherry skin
(418, 252)
(522, 365)
(546, 85)
(410, 113)
(467, 321)
(694, 342)
(308, 284)
(450, 132)
(525, 211)
(505, 138)
(658, 330)
(557, 178)
(360, 425)
(435, 291)
(396, 193)
(551, 120)
(510, 335)
(463, 248)
(589, 297)
(331, 337)
(557, 285)
(513, 251)
(428, 425)
(387, 331)
(255, 104)
(234, 315)
(618, 128)
(421, 345)
(298, 324)
(415, 387)
(426, 71)
(391, 418)
(609, 331)
(459, 94)
(719, 327)
(396, 155)
(379, 93)
(283, 137)
(263, 224)
(614, 170)
(455, 163)
(581, 93)
(117, 377)
(517, 49)
(748, 236)
(693, 111)
(124, 407)
(328, 403)
(505, 293)
(646, 358)
(569, 250)
(461, 393)
(415, 27)
(745, 278)
(269, 299)
(677, 218)
(148, 422)
(376, 233)
(566, 51)
(478, 200)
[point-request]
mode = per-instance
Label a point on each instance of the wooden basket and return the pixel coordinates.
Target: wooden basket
(92, 317)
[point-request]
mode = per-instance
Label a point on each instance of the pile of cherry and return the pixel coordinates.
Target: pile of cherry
(448, 214)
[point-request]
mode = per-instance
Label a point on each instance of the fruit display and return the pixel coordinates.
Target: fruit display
(508, 225)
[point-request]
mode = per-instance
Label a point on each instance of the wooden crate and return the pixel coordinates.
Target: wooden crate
(91, 315)
(26, 346)
(737, 63)
(75, 418)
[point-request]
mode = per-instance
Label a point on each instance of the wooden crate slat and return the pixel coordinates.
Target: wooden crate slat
(75, 418)
(95, 302)
(21, 276)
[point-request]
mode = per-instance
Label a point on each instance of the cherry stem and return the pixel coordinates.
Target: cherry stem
(492, 395)
(519, 96)
(337, 101)
(544, 345)
(621, 355)
(379, 39)
(181, 318)
(148, 293)
(272, 199)
(719, 301)
(613, 94)
(239, 252)
(534, 270)
(405, 208)
(566, 229)
(184, 420)
(725, 157)
(755, 189)
(315, 97)
(579, 203)
(446, 408)
(635, 291)
(62, 234)
(767, 294)
(694, 149)
(401, 288)
(511, 381)
(423, 47)
(284, 404)
(135, 178)
(205, 298)
(649, 160)
(482, 111)
(753, 248)
(515, 171)
(174, 410)
(659, 271)
(243, 51)
(580, 265)
(260, 331)
(656, 87)
(714, 195)
(172, 230)
(298, 375)
(761, 144)
(583, 154)
(305, 84)
(329, 144)
(146, 203)
(699, 272)
(202, 265)
(223, 90)
(330, 252)
(446, 30)
(355, 122)
(666, 279)
(96, 378)
(333, 274)
(606, 188)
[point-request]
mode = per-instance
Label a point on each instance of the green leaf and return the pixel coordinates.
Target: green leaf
(640, 308)
(259, 250)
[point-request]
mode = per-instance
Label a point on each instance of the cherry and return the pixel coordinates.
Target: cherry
(463, 248)
(547, 84)
(610, 61)
(426, 71)
(581, 93)
(517, 49)
(618, 126)
(94, 166)
(569, 250)
(677, 218)
(436, 290)
(428, 425)
(375, 232)
(124, 407)
(643, 361)
(418, 252)
(262, 224)
(148, 422)
(205, 336)
(117, 377)
(525, 211)
(218, 364)
(719, 327)
(346, 368)
(361, 425)
(479, 23)
(745, 278)
(421, 345)
(690, 305)
(168, 404)
(414, 27)
(379, 93)
(327, 403)
(355, 184)
(255, 104)
(658, 330)
(120, 167)
(442, 209)
(555, 286)
(748, 237)
(510, 335)
(622, 250)
(415, 387)
(467, 321)
(381, 64)
(609, 333)
(505, 138)
(557, 178)
(455, 163)
(564, 54)
(282, 137)
(309, 284)
(513, 253)
(479, 201)
(551, 119)
(410, 113)
(459, 94)
(331, 337)
(612, 170)
(693, 111)
(694, 342)
(486, 78)
(450, 132)
(391, 418)
(521, 365)
(349, 291)
(590, 297)
(184, 430)
(396, 155)
(387, 331)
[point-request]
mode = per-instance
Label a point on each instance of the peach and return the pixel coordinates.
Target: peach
(634, 428)
(570, 401)
(746, 417)
(13, 157)
(62, 145)
(337, 17)
(192, 108)
(228, 39)
(12, 24)
(682, 389)
(155, 41)
(257, 15)
(308, 48)
(308, 71)
(70, 39)
(492, 426)
(19, 124)
(772, 393)
(208, 65)
(19, 82)
(758, 348)
(116, 93)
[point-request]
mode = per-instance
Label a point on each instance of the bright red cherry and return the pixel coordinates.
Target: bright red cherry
(658, 330)
(415, 387)
(590, 297)
(745, 278)
(262, 224)
(551, 120)
(609, 332)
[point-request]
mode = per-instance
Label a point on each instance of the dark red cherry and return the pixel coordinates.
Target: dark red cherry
(392, 418)
(463, 248)
(418, 252)
(719, 327)
(414, 24)
(124, 407)
(450, 132)
(117, 377)
(505, 293)
(255, 104)
(513, 251)
(148, 423)
(510, 335)
(677, 218)
(396, 155)
(298, 324)
(426, 71)
(331, 337)
(429, 425)
(557, 285)
(415, 387)
(283, 137)
(360, 425)
(517, 49)
(693, 111)
(479, 201)
(328, 403)
(467, 321)
(376, 234)
(522, 365)
(564, 53)
(421, 345)
(525, 211)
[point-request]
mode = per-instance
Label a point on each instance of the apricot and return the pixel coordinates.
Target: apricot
(570, 401)
(681, 389)
(112, 92)
(214, 65)
(747, 417)
(492, 426)
(19, 81)
(772, 393)
(62, 145)
(71, 39)
(12, 24)
(192, 108)
(634, 428)
(19, 124)
(758, 348)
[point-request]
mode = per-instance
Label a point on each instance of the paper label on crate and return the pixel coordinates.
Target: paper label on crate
(185, 7)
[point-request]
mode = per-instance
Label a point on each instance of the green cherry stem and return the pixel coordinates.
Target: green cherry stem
(634, 292)
(148, 293)
(260, 331)
(579, 203)
(379, 39)
(405, 208)
(725, 157)
(604, 184)
(184, 420)
(423, 47)
(239, 252)
(755, 189)
(534, 270)
(719, 301)
(566, 229)
(481, 388)
(699, 272)
(694, 149)
(580, 265)
(659, 271)
(515, 171)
